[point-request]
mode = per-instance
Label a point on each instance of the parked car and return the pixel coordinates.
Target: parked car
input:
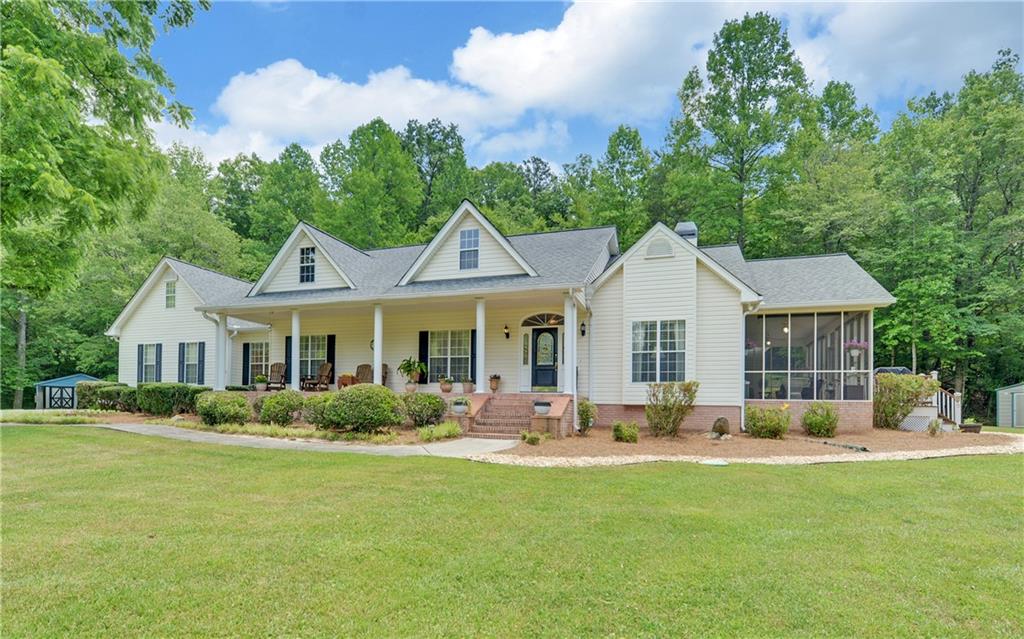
(895, 370)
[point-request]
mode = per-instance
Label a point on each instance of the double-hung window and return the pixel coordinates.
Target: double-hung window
(659, 351)
(192, 362)
(307, 264)
(170, 294)
(449, 355)
(312, 353)
(469, 249)
(149, 362)
(259, 359)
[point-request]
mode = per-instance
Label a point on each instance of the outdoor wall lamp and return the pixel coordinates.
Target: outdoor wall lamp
(583, 329)
(506, 331)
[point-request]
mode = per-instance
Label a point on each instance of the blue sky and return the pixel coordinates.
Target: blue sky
(520, 79)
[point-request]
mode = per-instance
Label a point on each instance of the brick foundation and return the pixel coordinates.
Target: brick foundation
(854, 416)
(700, 419)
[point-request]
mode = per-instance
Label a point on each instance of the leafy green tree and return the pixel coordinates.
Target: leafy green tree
(235, 188)
(756, 91)
(620, 183)
(375, 184)
(438, 151)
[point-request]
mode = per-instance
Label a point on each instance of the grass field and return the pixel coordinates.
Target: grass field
(112, 534)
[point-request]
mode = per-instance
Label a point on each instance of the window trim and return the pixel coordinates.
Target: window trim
(658, 352)
(170, 294)
(146, 364)
(307, 264)
(469, 245)
(448, 357)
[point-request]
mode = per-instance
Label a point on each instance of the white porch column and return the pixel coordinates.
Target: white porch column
(294, 364)
(378, 344)
(569, 335)
(228, 348)
(481, 329)
(222, 349)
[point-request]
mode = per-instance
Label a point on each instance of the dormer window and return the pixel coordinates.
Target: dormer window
(469, 249)
(170, 294)
(307, 264)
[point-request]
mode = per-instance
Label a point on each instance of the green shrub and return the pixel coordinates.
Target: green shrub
(628, 432)
(166, 398)
(364, 408)
(87, 393)
(444, 430)
(934, 428)
(820, 419)
(117, 397)
(223, 407)
(424, 409)
(897, 395)
(586, 414)
(768, 423)
(281, 408)
(531, 437)
(668, 405)
(721, 426)
(235, 387)
(314, 409)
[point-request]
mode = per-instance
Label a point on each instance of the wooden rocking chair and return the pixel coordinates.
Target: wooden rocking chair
(322, 381)
(276, 380)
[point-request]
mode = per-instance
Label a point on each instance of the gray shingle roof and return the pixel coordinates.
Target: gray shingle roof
(802, 281)
(560, 258)
(211, 287)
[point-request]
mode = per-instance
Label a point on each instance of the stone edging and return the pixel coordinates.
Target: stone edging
(1015, 448)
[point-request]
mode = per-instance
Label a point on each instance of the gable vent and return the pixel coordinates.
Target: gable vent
(659, 247)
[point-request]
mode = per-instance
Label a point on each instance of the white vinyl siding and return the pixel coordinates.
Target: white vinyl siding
(604, 336)
(492, 257)
(152, 322)
(287, 277)
(719, 367)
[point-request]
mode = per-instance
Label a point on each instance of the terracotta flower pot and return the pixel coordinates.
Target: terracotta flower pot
(494, 385)
(446, 387)
(468, 388)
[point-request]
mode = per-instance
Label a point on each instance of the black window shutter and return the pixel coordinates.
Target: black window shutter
(138, 375)
(472, 354)
(201, 375)
(424, 346)
(288, 359)
(245, 363)
(159, 361)
(330, 352)
(181, 362)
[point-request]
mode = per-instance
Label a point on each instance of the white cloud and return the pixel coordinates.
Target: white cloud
(614, 62)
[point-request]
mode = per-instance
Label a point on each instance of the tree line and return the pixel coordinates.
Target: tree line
(755, 155)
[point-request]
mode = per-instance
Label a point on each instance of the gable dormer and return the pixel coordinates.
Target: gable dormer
(467, 246)
(302, 263)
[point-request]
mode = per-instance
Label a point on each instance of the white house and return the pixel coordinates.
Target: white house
(560, 312)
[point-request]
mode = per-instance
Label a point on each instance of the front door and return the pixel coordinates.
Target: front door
(545, 357)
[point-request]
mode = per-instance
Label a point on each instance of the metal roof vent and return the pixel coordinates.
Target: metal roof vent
(687, 231)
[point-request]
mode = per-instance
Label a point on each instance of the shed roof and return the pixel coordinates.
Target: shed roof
(67, 380)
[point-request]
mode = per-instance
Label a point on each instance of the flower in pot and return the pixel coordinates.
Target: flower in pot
(468, 385)
(542, 407)
(446, 383)
(461, 405)
(855, 347)
(413, 369)
(495, 381)
(261, 382)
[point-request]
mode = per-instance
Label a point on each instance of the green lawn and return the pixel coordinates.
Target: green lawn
(1003, 429)
(112, 534)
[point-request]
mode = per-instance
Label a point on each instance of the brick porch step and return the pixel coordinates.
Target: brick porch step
(483, 435)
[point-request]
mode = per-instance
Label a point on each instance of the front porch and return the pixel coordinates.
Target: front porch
(523, 339)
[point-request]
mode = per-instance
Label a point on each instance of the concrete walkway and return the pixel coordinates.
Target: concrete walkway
(465, 447)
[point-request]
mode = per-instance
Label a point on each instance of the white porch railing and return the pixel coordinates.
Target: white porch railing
(948, 403)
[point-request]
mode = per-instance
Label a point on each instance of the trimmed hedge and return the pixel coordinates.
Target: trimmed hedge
(117, 397)
(820, 419)
(628, 432)
(281, 408)
(424, 409)
(314, 410)
(362, 408)
(223, 407)
(165, 398)
(768, 423)
(88, 393)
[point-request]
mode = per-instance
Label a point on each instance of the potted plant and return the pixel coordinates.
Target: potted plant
(261, 382)
(461, 405)
(495, 381)
(413, 369)
(541, 407)
(468, 386)
(446, 383)
(855, 347)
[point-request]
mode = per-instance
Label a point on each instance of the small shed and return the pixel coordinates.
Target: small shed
(1010, 405)
(59, 392)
